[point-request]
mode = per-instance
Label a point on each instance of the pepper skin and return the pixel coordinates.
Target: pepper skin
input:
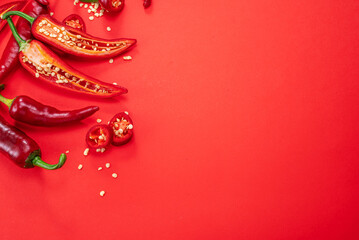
(75, 21)
(21, 149)
(27, 110)
(12, 6)
(112, 5)
(9, 59)
(147, 3)
(72, 41)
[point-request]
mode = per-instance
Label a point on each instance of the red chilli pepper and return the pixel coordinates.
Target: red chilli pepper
(12, 6)
(75, 21)
(9, 59)
(73, 41)
(27, 110)
(99, 136)
(122, 127)
(147, 3)
(112, 5)
(42, 63)
(21, 149)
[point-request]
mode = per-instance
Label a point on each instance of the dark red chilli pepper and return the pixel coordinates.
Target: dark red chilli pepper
(72, 41)
(122, 127)
(99, 136)
(21, 149)
(112, 5)
(12, 6)
(147, 3)
(42, 63)
(27, 110)
(75, 21)
(9, 59)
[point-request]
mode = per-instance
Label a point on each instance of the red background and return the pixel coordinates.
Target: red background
(246, 127)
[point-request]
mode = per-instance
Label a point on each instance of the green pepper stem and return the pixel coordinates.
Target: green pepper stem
(22, 43)
(18, 13)
(37, 161)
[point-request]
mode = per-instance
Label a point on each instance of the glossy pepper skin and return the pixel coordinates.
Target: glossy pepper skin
(75, 21)
(21, 149)
(112, 5)
(42, 63)
(12, 6)
(9, 59)
(72, 41)
(27, 110)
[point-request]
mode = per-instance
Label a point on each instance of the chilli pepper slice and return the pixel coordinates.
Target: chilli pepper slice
(75, 21)
(27, 110)
(9, 59)
(42, 63)
(73, 41)
(122, 127)
(112, 5)
(22, 149)
(99, 136)
(12, 6)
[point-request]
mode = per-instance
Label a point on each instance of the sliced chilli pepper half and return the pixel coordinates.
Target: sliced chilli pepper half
(75, 21)
(99, 136)
(42, 63)
(112, 5)
(12, 6)
(73, 41)
(122, 127)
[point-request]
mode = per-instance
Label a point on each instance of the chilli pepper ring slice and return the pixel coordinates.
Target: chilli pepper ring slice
(122, 127)
(99, 136)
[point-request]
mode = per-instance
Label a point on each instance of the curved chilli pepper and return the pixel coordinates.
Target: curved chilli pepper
(99, 136)
(122, 127)
(12, 6)
(75, 21)
(147, 3)
(21, 149)
(112, 5)
(9, 59)
(42, 63)
(27, 110)
(73, 41)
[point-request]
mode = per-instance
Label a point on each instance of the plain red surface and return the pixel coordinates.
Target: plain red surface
(246, 127)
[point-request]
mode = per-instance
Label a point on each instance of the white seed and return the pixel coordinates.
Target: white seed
(80, 167)
(127, 58)
(107, 165)
(130, 126)
(114, 83)
(37, 75)
(81, 4)
(91, 18)
(108, 29)
(86, 152)
(67, 151)
(126, 112)
(51, 13)
(98, 150)
(111, 60)
(98, 120)
(103, 150)
(102, 193)
(114, 175)
(89, 11)
(99, 168)
(86, 6)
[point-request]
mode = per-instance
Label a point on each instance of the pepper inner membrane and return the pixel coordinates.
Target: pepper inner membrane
(59, 76)
(116, 3)
(76, 40)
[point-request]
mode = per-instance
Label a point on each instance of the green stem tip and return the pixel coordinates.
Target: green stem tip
(37, 161)
(6, 101)
(18, 13)
(22, 43)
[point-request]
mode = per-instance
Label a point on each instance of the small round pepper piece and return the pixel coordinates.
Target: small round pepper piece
(99, 136)
(122, 127)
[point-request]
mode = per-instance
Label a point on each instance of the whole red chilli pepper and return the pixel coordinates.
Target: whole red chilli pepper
(21, 149)
(9, 59)
(42, 63)
(72, 41)
(12, 6)
(112, 5)
(27, 110)
(75, 21)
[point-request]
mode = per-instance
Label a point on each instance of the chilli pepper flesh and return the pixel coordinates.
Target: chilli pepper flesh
(12, 6)
(73, 41)
(75, 21)
(27, 110)
(9, 59)
(22, 149)
(122, 127)
(42, 63)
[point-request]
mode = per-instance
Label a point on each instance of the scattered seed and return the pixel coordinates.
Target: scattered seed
(102, 193)
(99, 168)
(67, 151)
(80, 167)
(114, 175)
(51, 13)
(111, 60)
(86, 152)
(98, 150)
(114, 83)
(91, 18)
(126, 112)
(130, 126)
(107, 165)
(108, 29)
(127, 58)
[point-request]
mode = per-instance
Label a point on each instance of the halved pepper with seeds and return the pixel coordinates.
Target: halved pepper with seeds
(73, 41)
(42, 63)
